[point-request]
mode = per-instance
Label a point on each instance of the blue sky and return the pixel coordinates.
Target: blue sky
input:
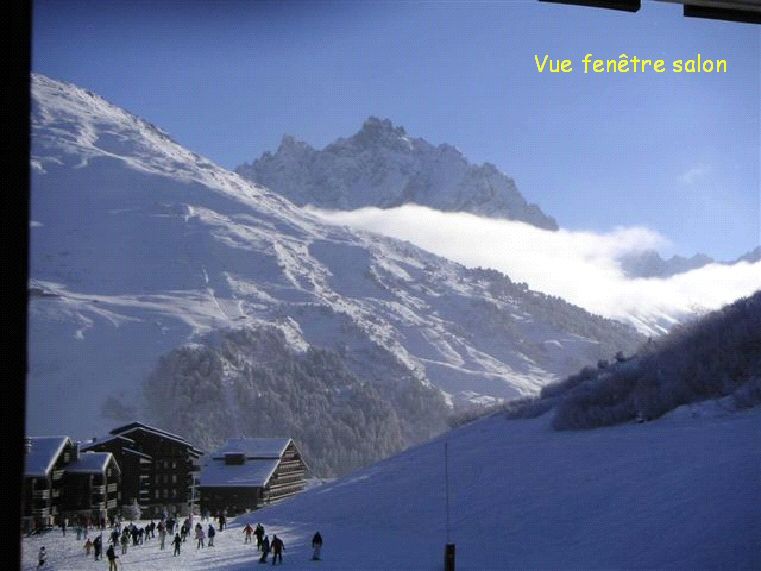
(678, 154)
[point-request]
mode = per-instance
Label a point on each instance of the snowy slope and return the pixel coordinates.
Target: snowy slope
(382, 166)
(139, 245)
(679, 493)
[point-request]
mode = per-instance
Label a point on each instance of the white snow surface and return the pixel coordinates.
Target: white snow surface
(141, 246)
(679, 493)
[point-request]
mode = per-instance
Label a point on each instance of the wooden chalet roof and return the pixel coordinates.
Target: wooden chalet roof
(134, 426)
(262, 456)
(253, 447)
(128, 445)
(44, 452)
(90, 462)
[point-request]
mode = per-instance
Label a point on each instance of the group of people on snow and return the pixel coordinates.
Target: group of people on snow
(138, 535)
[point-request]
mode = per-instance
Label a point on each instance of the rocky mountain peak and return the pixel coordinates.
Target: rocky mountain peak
(381, 165)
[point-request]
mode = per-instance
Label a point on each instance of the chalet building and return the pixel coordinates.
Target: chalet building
(91, 486)
(247, 473)
(44, 463)
(136, 468)
(172, 472)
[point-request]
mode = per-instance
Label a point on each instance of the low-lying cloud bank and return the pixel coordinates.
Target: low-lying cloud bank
(580, 267)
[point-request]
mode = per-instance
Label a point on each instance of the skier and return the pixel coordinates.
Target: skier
(265, 549)
(124, 541)
(222, 521)
(259, 536)
(98, 546)
(114, 537)
(162, 536)
(248, 530)
(199, 536)
(41, 557)
(277, 549)
(211, 534)
(88, 546)
(317, 545)
(112, 557)
(79, 532)
(177, 542)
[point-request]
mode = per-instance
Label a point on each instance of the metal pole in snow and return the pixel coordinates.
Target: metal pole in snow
(446, 482)
(449, 548)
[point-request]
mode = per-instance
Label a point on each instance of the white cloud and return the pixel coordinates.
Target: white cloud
(694, 174)
(580, 267)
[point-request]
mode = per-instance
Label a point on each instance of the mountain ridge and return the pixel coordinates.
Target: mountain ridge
(381, 165)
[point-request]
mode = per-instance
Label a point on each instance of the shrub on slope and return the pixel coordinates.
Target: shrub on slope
(715, 356)
(249, 382)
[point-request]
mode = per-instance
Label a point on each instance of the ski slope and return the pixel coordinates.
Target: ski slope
(683, 492)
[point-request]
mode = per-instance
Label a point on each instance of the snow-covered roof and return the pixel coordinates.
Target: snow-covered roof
(127, 444)
(126, 429)
(253, 447)
(262, 456)
(253, 473)
(107, 438)
(43, 454)
(90, 462)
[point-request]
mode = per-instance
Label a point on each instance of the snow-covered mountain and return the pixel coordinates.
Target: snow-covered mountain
(139, 246)
(382, 166)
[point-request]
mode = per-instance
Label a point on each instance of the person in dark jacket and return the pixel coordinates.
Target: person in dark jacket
(259, 533)
(114, 537)
(265, 549)
(41, 557)
(277, 549)
(112, 557)
(316, 545)
(177, 542)
(211, 534)
(97, 546)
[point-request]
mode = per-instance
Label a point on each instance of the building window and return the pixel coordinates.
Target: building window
(166, 478)
(174, 478)
(174, 465)
(108, 472)
(157, 494)
(166, 493)
(174, 493)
